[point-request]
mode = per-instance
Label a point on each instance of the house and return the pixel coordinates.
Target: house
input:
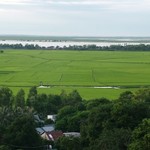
(52, 136)
(52, 117)
(40, 131)
(48, 132)
(38, 120)
(46, 128)
(72, 134)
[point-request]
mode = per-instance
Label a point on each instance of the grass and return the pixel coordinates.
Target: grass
(75, 70)
(86, 93)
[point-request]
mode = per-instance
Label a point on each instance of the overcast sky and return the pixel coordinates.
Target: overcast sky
(75, 17)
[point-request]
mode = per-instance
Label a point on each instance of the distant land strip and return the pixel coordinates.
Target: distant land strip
(138, 47)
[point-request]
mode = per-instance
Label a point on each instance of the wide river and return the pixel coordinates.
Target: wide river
(68, 43)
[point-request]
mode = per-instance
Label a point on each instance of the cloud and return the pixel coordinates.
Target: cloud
(76, 2)
(121, 5)
(75, 17)
(14, 2)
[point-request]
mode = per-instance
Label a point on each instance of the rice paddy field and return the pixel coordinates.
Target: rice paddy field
(86, 71)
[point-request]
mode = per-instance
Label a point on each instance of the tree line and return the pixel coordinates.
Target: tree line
(139, 47)
(121, 124)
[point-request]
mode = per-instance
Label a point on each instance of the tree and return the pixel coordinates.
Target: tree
(141, 136)
(40, 104)
(65, 111)
(55, 101)
(8, 115)
(20, 99)
(4, 147)
(63, 96)
(128, 115)
(96, 122)
(6, 96)
(74, 97)
(68, 143)
(32, 91)
(114, 139)
(62, 118)
(22, 134)
(126, 96)
(32, 96)
(96, 102)
(143, 95)
(75, 121)
(47, 104)
(1, 51)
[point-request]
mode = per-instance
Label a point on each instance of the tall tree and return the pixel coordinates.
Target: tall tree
(68, 143)
(6, 96)
(141, 136)
(20, 99)
(22, 134)
(143, 95)
(74, 97)
(32, 96)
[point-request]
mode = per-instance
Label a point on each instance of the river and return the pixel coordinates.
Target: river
(68, 43)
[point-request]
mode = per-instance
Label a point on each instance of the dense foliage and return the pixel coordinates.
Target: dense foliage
(139, 47)
(121, 124)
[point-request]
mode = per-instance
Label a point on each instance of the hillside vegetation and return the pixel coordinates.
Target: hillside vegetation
(123, 124)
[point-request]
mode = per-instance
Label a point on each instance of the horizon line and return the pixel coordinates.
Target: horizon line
(90, 36)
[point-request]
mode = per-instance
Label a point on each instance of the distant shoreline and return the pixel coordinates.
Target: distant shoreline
(74, 38)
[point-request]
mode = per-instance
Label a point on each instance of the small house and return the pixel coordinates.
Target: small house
(52, 136)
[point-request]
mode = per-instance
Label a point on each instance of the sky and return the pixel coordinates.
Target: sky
(75, 17)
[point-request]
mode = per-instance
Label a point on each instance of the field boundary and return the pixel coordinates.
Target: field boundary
(83, 86)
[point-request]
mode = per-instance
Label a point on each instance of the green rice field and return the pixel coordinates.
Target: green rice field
(85, 71)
